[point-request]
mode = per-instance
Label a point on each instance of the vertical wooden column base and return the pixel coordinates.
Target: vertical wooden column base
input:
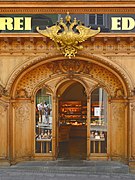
(132, 166)
(4, 163)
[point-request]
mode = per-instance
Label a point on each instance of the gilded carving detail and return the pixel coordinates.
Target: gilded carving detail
(22, 112)
(68, 35)
(68, 67)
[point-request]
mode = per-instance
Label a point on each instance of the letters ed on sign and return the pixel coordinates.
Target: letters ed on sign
(122, 23)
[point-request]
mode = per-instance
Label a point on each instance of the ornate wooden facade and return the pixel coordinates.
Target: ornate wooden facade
(30, 62)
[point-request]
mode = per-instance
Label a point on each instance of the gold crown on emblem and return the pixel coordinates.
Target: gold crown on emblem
(67, 35)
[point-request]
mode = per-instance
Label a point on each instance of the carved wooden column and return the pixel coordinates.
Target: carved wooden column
(132, 132)
(21, 131)
(88, 125)
(109, 127)
(54, 127)
(118, 132)
(33, 117)
(4, 141)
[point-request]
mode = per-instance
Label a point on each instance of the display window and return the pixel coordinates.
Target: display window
(43, 122)
(98, 125)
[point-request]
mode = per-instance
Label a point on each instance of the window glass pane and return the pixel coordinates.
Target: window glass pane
(100, 19)
(99, 121)
(92, 18)
(43, 124)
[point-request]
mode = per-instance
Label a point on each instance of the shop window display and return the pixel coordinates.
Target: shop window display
(43, 124)
(98, 121)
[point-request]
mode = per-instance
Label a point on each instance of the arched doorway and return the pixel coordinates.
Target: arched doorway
(72, 100)
(61, 77)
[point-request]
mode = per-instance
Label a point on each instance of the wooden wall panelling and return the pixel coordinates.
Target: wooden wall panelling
(118, 130)
(4, 156)
(132, 131)
(22, 129)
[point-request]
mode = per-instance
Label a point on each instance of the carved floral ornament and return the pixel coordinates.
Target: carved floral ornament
(22, 112)
(2, 91)
(65, 68)
(67, 35)
(21, 93)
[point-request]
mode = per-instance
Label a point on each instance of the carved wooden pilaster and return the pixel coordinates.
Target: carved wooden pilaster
(108, 127)
(3, 131)
(118, 131)
(22, 131)
(88, 125)
(132, 130)
(54, 126)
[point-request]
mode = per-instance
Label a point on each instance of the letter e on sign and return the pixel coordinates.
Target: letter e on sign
(116, 23)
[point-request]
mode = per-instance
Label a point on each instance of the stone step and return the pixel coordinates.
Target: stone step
(74, 167)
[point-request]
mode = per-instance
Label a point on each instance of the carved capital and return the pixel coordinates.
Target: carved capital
(132, 106)
(119, 93)
(88, 98)
(133, 92)
(54, 99)
(21, 93)
(3, 91)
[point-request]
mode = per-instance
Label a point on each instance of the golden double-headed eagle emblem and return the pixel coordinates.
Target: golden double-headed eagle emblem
(67, 35)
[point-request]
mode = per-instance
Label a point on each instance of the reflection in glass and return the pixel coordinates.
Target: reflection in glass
(43, 129)
(98, 121)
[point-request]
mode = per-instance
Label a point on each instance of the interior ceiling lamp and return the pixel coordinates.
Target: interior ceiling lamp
(67, 35)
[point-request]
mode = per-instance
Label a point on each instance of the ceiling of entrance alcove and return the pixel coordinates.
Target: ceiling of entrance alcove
(64, 86)
(72, 90)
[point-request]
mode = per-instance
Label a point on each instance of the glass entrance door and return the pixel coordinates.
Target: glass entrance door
(72, 121)
(98, 124)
